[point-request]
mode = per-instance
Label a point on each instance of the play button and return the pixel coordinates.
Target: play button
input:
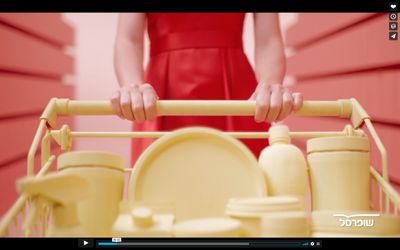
(85, 243)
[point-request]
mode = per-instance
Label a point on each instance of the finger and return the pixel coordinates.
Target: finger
(150, 105)
(275, 103)
(137, 105)
(115, 104)
(150, 87)
(262, 104)
(298, 101)
(287, 105)
(125, 102)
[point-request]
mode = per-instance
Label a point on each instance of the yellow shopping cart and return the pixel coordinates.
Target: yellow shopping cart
(24, 218)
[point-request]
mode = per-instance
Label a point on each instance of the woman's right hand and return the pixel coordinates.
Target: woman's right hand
(136, 102)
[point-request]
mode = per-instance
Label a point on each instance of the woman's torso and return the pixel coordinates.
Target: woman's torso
(199, 56)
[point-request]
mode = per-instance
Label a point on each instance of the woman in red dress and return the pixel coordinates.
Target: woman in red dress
(199, 56)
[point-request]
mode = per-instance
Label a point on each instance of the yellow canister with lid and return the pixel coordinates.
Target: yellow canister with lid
(339, 223)
(142, 222)
(339, 172)
(285, 224)
(105, 173)
(249, 211)
(208, 227)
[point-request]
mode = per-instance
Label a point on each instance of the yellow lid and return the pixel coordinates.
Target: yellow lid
(255, 207)
(208, 227)
(340, 143)
(355, 222)
(279, 133)
(142, 217)
(90, 159)
(289, 221)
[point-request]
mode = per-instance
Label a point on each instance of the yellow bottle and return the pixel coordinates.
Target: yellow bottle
(284, 166)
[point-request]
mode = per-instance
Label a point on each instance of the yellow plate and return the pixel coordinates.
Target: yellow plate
(198, 169)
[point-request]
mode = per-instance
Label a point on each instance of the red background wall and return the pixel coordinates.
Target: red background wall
(347, 55)
(33, 66)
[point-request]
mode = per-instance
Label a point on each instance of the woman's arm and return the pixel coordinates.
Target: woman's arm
(274, 102)
(135, 100)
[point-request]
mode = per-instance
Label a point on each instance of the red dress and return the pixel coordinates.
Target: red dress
(199, 56)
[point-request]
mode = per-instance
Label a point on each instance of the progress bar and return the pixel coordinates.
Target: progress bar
(255, 243)
(173, 244)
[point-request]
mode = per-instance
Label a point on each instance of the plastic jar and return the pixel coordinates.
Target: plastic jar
(208, 227)
(339, 172)
(105, 172)
(141, 222)
(249, 211)
(354, 224)
(285, 224)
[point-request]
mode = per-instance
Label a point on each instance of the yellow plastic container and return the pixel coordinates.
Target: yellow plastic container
(284, 165)
(249, 211)
(141, 222)
(354, 224)
(208, 227)
(285, 224)
(339, 172)
(105, 172)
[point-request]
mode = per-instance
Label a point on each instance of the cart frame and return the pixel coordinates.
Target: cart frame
(27, 218)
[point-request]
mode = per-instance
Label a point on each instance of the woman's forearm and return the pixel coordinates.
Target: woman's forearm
(128, 62)
(128, 50)
(274, 102)
(270, 62)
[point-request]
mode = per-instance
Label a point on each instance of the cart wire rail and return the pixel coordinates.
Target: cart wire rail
(28, 218)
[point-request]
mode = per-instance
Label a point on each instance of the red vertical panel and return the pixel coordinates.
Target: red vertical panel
(32, 65)
(364, 46)
(22, 94)
(377, 91)
(16, 137)
(48, 26)
(311, 26)
(23, 53)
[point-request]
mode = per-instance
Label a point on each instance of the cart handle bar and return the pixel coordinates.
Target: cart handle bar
(339, 108)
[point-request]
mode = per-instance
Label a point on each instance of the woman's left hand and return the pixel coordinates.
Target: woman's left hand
(275, 102)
